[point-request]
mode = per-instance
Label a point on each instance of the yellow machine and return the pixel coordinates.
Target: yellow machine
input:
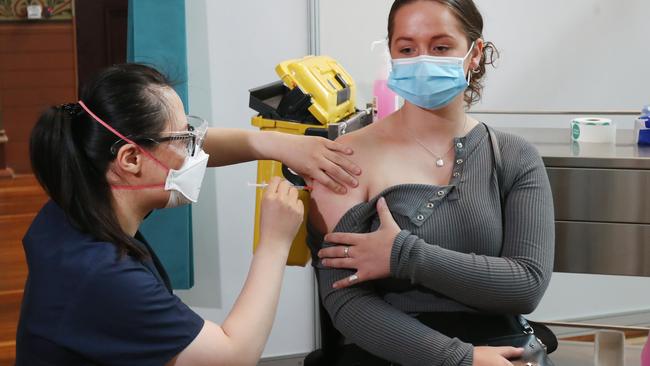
(331, 88)
(316, 97)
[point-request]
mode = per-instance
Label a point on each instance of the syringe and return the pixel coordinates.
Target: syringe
(264, 185)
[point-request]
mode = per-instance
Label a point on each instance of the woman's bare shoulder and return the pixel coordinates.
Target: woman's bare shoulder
(327, 207)
(368, 143)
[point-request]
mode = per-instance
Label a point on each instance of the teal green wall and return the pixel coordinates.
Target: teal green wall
(157, 37)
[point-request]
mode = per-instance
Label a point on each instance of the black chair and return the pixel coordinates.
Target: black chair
(331, 340)
(334, 351)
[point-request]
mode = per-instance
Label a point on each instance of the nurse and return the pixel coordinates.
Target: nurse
(96, 292)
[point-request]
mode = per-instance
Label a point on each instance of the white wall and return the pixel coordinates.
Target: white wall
(556, 55)
(347, 30)
(233, 47)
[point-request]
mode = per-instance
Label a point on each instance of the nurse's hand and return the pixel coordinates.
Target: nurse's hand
(281, 214)
(368, 253)
(495, 356)
(318, 158)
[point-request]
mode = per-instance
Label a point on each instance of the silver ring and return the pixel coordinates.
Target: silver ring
(346, 252)
(353, 278)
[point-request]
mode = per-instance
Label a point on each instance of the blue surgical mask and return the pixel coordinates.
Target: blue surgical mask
(428, 81)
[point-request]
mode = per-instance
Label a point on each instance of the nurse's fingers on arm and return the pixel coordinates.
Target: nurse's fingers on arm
(337, 146)
(344, 162)
(328, 182)
(338, 174)
(343, 170)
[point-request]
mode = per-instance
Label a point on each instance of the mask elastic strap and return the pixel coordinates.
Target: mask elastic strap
(137, 188)
(470, 50)
(115, 132)
(469, 74)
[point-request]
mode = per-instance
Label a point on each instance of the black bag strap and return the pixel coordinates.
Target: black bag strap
(498, 163)
(528, 329)
(551, 342)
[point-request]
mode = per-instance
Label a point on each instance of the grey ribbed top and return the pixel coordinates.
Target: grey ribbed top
(453, 253)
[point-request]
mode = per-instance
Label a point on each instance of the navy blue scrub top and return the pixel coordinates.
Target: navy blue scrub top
(86, 305)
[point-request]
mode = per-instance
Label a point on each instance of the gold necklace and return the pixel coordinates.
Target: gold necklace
(440, 162)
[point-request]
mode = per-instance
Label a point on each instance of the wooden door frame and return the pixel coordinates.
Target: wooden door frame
(5, 171)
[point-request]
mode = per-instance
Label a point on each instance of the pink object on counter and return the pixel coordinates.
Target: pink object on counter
(385, 98)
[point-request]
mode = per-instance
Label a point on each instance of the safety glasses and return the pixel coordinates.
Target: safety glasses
(188, 141)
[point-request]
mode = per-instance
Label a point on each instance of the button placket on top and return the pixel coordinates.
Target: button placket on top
(427, 207)
(459, 165)
(450, 191)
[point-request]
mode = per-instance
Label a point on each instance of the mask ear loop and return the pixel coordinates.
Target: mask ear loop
(115, 132)
(469, 74)
(471, 48)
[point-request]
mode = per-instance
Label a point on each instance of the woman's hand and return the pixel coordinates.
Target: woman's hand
(368, 253)
(281, 214)
(241, 338)
(495, 356)
(317, 158)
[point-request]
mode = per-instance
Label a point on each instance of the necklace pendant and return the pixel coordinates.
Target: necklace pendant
(440, 163)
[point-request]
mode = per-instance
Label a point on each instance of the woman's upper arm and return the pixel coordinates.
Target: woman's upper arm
(211, 347)
(327, 207)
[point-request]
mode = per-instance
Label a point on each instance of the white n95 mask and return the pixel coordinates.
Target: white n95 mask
(184, 183)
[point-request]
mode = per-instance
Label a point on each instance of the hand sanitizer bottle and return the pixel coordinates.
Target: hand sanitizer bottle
(385, 100)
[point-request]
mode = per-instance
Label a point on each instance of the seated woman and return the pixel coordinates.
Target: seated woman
(425, 239)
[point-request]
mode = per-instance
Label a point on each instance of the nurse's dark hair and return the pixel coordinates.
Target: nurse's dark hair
(70, 152)
(471, 20)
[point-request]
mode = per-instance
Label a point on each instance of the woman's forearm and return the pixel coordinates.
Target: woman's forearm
(317, 158)
(381, 329)
(249, 323)
(228, 146)
(515, 281)
(491, 284)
